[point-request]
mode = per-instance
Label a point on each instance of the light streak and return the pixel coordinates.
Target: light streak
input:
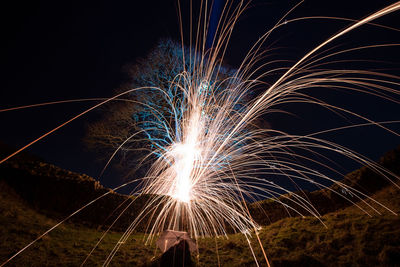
(212, 157)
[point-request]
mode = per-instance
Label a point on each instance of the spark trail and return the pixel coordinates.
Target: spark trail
(212, 157)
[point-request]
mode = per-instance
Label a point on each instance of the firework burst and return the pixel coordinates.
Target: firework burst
(214, 157)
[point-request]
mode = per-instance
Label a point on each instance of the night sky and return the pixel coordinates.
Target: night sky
(56, 50)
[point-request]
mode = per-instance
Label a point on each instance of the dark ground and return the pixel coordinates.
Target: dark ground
(350, 238)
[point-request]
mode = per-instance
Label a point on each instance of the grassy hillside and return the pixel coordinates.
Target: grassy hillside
(67, 245)
(57, 193)
(349, 238)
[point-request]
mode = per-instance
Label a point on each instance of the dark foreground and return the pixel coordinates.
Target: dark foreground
(350, 238)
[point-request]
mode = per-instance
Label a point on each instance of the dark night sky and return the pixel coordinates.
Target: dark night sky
(55, 50)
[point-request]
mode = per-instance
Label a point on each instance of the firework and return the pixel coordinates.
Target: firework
(214, 157)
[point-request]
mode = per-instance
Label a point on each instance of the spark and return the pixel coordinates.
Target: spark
(210, 155)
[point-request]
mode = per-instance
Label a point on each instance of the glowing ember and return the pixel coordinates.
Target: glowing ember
(211, 157)
(185, 157)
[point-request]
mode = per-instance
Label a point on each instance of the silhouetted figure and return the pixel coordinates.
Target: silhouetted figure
(176, 247)
(177, 256)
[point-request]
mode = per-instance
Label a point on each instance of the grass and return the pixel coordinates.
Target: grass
(350, 238)
(67, 245)
(355, 241)
(345, 237)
